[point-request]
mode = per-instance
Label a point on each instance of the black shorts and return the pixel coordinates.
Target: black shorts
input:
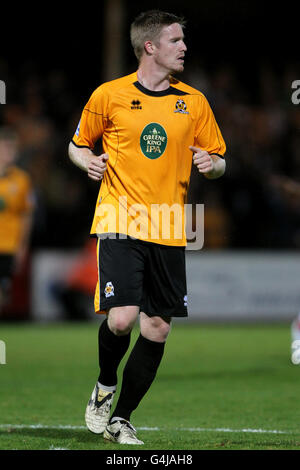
(135, 272)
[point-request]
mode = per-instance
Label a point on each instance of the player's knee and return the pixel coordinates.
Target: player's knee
(156, 329)
(163, 331)
(120, 328)
(121, 320)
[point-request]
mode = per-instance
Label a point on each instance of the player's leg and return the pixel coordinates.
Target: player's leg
(164, 291)
(118, 285)
(139, 373)
(141, 367)
(113, 342)
(156, 328)
(6, 273)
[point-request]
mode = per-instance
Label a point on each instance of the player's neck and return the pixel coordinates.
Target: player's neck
(153, 78)
(3, 170)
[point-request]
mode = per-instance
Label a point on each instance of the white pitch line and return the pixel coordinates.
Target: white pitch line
(57, 448)
(143, 428)
(266, 431)
(40, 426)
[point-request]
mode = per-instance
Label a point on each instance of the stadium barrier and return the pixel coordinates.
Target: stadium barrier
(222, 285)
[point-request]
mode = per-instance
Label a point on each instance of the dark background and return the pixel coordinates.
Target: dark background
(242, 55)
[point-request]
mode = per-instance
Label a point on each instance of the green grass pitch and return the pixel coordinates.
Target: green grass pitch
(219, 387)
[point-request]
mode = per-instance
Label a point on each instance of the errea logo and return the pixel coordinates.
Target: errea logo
(136, 104)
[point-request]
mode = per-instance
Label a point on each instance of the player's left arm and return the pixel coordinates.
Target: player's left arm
(209, 146)
(26, 227)
(26, 223)
(212, 166)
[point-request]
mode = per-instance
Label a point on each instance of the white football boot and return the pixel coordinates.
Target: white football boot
(121, 431)
(98, 410)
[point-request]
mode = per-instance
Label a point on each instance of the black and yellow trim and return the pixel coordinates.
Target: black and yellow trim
(169, 91)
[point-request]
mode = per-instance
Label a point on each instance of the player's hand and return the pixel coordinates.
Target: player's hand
(202, 160)
(97, 167)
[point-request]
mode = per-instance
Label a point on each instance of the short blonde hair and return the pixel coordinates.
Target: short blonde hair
(147, 26)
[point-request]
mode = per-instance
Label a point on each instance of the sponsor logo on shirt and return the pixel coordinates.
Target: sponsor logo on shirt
(153, 140)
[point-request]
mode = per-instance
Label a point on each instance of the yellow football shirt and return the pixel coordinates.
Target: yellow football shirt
(15, 201)
(147, 135)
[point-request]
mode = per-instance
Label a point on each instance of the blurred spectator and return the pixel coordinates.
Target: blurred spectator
(16, 207)
(76, 293)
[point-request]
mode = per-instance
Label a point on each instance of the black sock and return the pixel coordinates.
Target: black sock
(112, 349)
(139, 373)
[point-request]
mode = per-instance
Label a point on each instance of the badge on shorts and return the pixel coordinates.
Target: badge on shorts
(109, 289)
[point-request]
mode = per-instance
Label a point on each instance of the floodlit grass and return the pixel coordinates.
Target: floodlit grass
(218, 387)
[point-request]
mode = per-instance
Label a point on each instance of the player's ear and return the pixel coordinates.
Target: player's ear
(148, 46)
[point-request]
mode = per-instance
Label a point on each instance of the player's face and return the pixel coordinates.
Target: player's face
(170, 50)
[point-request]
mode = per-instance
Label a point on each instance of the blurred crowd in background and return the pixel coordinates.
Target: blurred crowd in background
(253, 206)
(50, 69)
(256, 201)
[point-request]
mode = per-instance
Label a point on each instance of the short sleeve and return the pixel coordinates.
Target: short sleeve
(207, 134)
(93, 120)
(26, 195)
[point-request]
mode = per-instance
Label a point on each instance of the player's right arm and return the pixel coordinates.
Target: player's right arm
(90, 129)
(86, 160)
(209, 146)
